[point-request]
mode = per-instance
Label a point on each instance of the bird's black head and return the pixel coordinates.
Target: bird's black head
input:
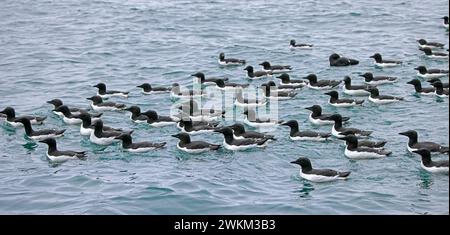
(366, 75)
(410, 133)
(284, 77)
(125, 137)
(238, 128)
(445, 18)
(374, 91)
(151, 114)
(199, 75)
(220, 82)
(291, 123)
(311, 78)
(304, 162)
(336, 117)
(438, 85)
(222, 56)
(333, 94)
(134, 109)
(98, 124)
(265, 64)
(95, 99)
(424, 153)
(184, 137)
(55, 102)
(101, 86)
(249, 69)
(292, 42)
(315, 108)
(24, 121)
(422, 41)
(145, 86)
(350, 139)
(334, 57)
(377, 57)
(85, 117)
(347, 80)
(63, 109)
(422, 69)
(271, 83)
(9, 112)
(415, 82)
(224, 130)
(427, 50)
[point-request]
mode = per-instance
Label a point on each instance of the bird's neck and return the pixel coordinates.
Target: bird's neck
(337, 125)
(294, 130)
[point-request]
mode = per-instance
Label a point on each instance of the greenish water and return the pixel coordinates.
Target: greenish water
(59, 49)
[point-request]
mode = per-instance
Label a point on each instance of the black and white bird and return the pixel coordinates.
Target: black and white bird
(318, 118)
(367, 143)
(200, 77)
(377, 80)
(414, 144)
(275, 68)
(293, 45)
(57, 103)
(286, 80)
(86, 127)
(231, 143)
(379, 62)
(70, 118)
(198, 123)
(354, 151)
(356, 90)
(178, 92)
(253, 75)
(272, 93)
(56, 156)
(425, 73)
(99, 105)
(296, 134)
(185, 144)
(339, 61)
(318, 175)
(136, 115)
(156, 120)
(339, 131)
(336, 102)
(445, 23)
(248, 102)
(141, 147)
(444, 84)
(196, 113)
(102, 92)
(229, 61)
(434, 55)
(253, 120)
(39, 134)
(440, 91)
(430, 165)
(321, 84)
(188, 127)
(285, 88)
(432, 45)
(376, 98)
(148, 89)
(239, 132)
(229, 86)
(102, 137)
(421, 90)
(12, 120)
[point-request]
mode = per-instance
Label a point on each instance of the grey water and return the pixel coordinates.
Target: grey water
(59, 49)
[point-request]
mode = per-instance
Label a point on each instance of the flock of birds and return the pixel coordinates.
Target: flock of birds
(193, 119)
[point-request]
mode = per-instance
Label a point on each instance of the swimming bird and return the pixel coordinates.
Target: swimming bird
(98, 104)
(229, 61)
(102, 92)
(419, 89)
(148, 89)
(61, 156)
(185, 144)
(40, 134)
(366, 143)
(318, 118)
(136, 114)
(12, 120)
(286, 80)
(198, 123)
(431, 73)
(296, 134)
(197, 113)
(357, 90)
(69, 117)
(251, 74)
(338, 130)
(285, 88)
(221, 85)
(337, 60)
(275, 68)
(434, 55)
(377, 80)
(141, 147)
(354, 151)
(206, 81)
(440, 91)
(86, 127)
(336, 102)
(318, 175)
(101, 137)
(432, 45)
(246, 102)
(430, 165)
(185, 93)
(189, 128)
(293, 45)
(376, 98)
(156, 120)
(57, 102)
(231, 143)
(445, 23)
(379, 62)
(252, 120)
(239, 132)
(272, 93)
(321, 84)
(414, 144)
(433, 80)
